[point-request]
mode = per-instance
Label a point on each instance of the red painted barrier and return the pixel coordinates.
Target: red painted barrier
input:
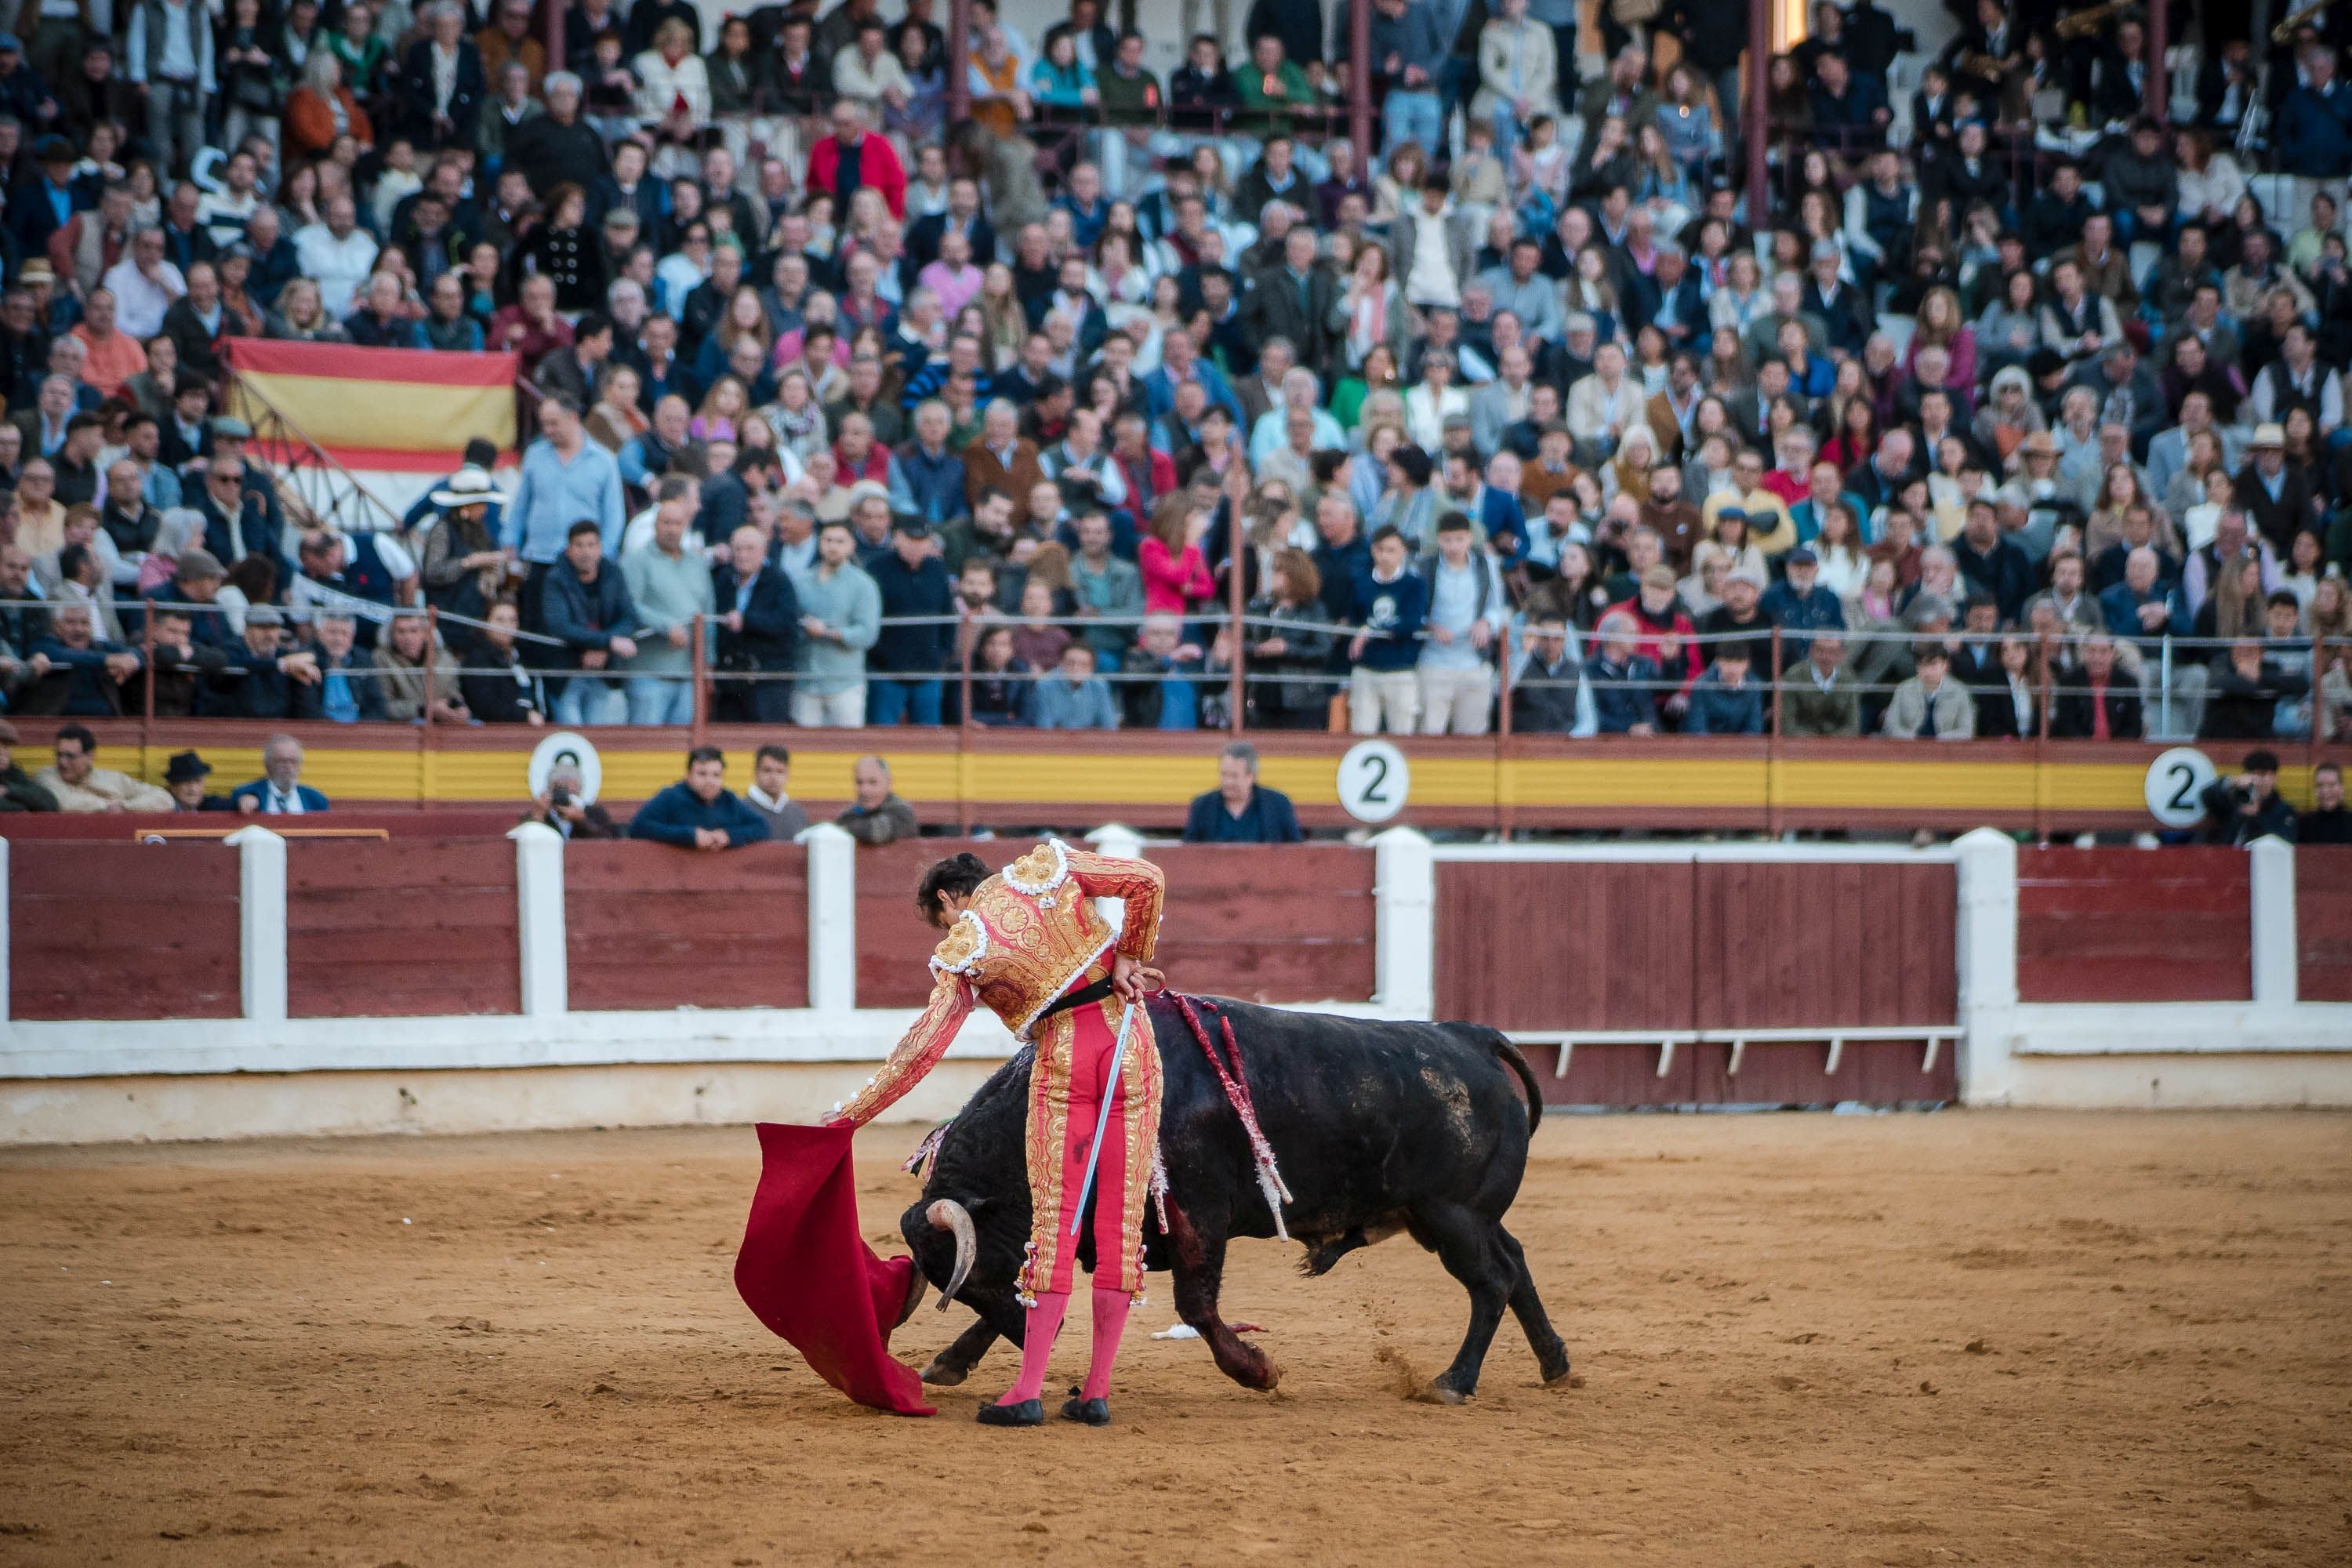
(407, 822)
(651, 928)
(2134, 925)
(2322, 923)
(1266, 923)
(1680, 946)
(122, 930)
(1566, 945)
(389, 929)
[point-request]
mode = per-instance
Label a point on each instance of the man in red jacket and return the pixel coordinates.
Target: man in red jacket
(849, 158)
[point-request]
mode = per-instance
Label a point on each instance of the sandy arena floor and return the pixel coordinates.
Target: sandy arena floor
(1970, 1337)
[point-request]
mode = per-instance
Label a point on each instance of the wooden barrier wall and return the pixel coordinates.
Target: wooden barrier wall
(2134, 925)
(648, 927)
(1677, 947)
(2322, 923)
(391, 929)
(1288, 923)
(122, 930)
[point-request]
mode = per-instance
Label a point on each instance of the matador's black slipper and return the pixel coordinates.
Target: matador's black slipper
(1093, 1411)
(1028, 1412)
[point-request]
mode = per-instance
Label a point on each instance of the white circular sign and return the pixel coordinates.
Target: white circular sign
(566, 748)
(2175, 780)
(1373, 781)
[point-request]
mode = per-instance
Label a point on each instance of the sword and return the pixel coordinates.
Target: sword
(1102, 1121)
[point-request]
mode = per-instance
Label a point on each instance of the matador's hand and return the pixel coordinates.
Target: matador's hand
(1131, 980)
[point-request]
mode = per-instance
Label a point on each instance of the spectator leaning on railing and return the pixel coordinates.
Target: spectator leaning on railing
(699, 812)
(875, 816)
(280, 792)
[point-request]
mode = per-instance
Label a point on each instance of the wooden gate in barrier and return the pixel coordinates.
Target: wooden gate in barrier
(1682, 979)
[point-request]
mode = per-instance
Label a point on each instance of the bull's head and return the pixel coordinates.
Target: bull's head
(968, 1229)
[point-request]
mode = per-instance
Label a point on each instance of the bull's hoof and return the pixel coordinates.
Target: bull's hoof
(1563, 1378)
(1436, 1391)
(941, 1373)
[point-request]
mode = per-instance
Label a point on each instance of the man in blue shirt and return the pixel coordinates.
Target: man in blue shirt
(699, 812)
(566, 478)
(1240, 810)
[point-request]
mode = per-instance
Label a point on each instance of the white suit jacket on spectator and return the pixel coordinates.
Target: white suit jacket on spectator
(338, 265)
(1592, 408)
(102, 788)
(140, 304)
(660, 85)
(1955, 711)
(1516, 60)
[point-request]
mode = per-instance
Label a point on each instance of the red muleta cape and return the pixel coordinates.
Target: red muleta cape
(805, 1271)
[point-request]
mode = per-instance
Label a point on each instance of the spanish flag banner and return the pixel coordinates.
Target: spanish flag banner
(390, 411)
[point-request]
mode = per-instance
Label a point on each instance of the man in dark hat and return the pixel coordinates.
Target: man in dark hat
(39, 207)
(185, 777)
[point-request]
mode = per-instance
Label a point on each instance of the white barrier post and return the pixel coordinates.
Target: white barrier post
(261, 922)
(832, 917)
(1405, 897)
(2270, 913)
(540, 921)
(1116, 838)
(1987, 957)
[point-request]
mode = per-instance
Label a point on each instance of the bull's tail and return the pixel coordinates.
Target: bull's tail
(1512, 1059)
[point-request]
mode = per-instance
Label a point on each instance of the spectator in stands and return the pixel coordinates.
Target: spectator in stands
(875, 816)
(671, 600)
(280, 792)
(910, 660)
(1465, 616)
(1931, 705)
(759, 632)
(2242, 809)
(1547, 691)
(350, 690)
(560, 807)
(73, 671)
(583, 604)
(411, 695)
(497, 688)
(2327, 821)
(76, 784)
(565, 478)
(841, 615)
(184, 779)
(699, 812)
(1384, 690)
(19, 791)
(2096, 705)
(1072, 696)
(1241, 810)
(768, 795)
(2244, 687)
(1821, 697)
(1725, 700)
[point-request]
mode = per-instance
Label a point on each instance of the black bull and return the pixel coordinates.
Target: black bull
(1378, 1128)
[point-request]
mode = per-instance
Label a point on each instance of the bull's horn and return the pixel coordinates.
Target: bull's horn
(946, 1213)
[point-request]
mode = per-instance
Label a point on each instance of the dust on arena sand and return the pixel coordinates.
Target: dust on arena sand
(1970, 1338)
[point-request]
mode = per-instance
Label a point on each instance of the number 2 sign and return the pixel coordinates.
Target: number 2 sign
(2175, 780)
(1374, 780)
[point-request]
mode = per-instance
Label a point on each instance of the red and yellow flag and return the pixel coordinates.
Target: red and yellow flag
(385, 410)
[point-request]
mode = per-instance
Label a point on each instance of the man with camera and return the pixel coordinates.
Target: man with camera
(2242, 809)
(558, 807)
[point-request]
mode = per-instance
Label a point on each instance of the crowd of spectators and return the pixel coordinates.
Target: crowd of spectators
(1926, 438)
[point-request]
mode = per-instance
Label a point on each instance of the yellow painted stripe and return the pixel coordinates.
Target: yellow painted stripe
(1923, 782)
(338, 411)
